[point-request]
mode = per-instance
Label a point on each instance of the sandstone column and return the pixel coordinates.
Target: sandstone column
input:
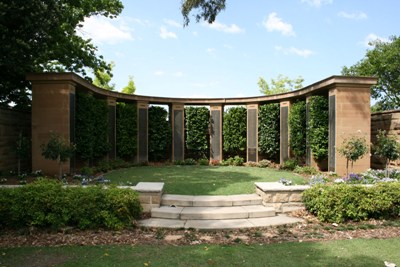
(252, 132)
(216, 118)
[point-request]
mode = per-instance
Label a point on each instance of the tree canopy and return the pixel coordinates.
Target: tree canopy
(206, 10)
(382, 61)
(103, 78)
(40, 36)
(130, 88)
(281, 84)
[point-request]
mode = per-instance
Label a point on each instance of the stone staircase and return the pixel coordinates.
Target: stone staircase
(214, 212)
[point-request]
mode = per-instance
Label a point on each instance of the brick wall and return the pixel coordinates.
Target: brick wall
(11, 124)
(389, 121)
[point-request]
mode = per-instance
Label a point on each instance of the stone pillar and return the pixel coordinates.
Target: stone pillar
(112, 131)
(252, 132)
(349, 115)
(284, 127)
(53, 110)
(216, 118)
(142, 132)
(178, 132)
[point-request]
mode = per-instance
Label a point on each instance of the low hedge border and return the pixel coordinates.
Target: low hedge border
(47, 204)
(342, 202)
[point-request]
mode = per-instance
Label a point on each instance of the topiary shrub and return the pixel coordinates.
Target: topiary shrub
(318, 127)
(126, 128)
(196, 129)
(289, 165)
(160, 134)
(298, 127)
(234, 131)
(269, 131)
(343, 202)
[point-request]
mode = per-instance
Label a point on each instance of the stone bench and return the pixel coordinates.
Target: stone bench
(283, 198)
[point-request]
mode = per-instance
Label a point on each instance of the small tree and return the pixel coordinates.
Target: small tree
(353, 149)
(387, 147)
(58, 149)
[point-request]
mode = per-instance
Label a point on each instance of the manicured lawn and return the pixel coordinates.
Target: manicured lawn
(357, 252)
(202, 180)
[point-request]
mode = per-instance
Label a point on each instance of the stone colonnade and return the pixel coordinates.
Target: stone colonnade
(53, 109)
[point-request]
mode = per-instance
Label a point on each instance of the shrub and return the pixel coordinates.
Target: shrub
(91, 128)
(234, 131)
(342, 202)
(197, 136)
(189, 161)
(305, 170)
(289, 165)
(387, 147)
(46, 203)
(297, 126)
(318, 127)
(265, 163)
(203, 162)
(126, 128)
(235, 161)
(269, 131)
(159, 133)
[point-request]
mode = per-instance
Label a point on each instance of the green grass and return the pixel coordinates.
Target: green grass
(357, 252)
(202, 180)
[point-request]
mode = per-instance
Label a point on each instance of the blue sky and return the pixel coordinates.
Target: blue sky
(250, 39)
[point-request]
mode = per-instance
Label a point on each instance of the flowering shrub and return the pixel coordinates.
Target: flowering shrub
(285, 181)
(317, 179)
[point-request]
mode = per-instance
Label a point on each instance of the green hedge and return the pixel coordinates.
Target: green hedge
(318, 127)
(343, 202)
(269, 131)
(159, 134)
(91, 130)
(46, 203)
(298, 129)
(126, 126)
(234, 132)
(196, 131)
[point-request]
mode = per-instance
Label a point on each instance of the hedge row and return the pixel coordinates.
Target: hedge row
(342, 202)
(196, 132)
(46, 203)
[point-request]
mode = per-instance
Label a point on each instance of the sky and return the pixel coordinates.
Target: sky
(313, 39)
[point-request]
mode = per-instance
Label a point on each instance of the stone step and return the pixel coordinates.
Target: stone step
(281, 219)
(211, 201)
(212, 213)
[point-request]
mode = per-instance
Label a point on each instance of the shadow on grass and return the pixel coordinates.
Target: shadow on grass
(202, 180)
(358, 252)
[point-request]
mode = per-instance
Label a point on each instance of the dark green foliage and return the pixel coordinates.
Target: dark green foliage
(39, 36)
(235, 161)
(234, 131)
(197, 136)
(91, 133)
(342, 202)
(297, 126)
(289, 165)
(159, 134)
(207, 9)
(126, 126)
(387, 147)
(318, 127)
(45, 203)
(269, 131)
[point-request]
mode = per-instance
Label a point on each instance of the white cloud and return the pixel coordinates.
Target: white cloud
(317, 3)
(274, 23)
(173, 23)
(356, 15)
(159, 72)
(233, 28)
(294, 51)
(103, 30)
(165, 34)
(373, 37)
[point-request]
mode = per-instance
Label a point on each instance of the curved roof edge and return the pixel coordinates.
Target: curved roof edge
(320, 87)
